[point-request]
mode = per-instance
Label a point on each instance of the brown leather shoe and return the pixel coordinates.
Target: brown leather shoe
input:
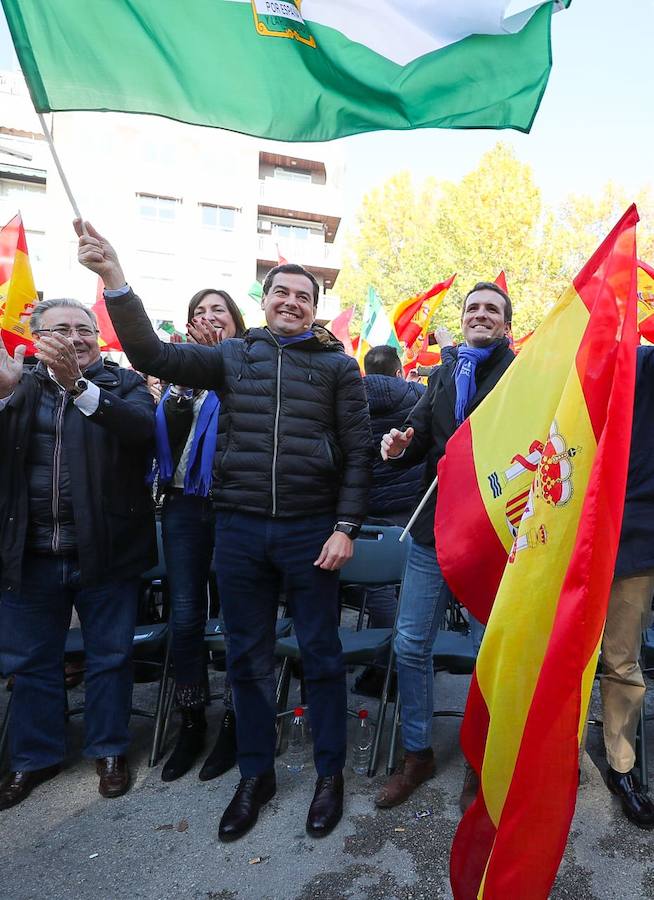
(19, 785)
(114, 776)
(411, 773)
(470, 788)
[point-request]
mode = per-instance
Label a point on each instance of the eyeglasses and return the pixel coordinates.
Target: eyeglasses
(84, 331)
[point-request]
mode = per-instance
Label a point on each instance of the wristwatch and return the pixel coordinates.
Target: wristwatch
(352, 531)
(79, 387)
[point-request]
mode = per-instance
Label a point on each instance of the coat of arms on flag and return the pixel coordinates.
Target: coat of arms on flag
(281, 18)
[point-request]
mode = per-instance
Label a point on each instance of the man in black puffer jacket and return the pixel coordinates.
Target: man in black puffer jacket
(292, 477)
(76, 528)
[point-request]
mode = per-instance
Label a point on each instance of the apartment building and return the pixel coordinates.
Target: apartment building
(186, 207)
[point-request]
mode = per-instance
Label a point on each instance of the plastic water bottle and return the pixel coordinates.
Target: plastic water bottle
(362, 744)
(296, 752)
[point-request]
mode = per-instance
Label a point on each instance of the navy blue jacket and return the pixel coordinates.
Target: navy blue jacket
(636, 550)
(395, 492)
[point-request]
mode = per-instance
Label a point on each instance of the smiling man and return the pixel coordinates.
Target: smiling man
(76, 529)
(291, 481)
(467, 374)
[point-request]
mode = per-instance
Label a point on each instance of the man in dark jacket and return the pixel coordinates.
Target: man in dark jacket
(292, 477)
(630, 608)
(76, 528)
(467, 374)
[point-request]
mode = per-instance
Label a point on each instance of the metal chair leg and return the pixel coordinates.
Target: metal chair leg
(392, 747)
(159, 710)
(381, 714)
(4, 737)
(641, 740)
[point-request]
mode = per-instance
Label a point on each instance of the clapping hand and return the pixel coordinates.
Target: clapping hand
(201, 331)
(11, 369)
(58, 353)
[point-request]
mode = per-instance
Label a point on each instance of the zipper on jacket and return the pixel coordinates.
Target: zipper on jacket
(56, 472)
(276, 431)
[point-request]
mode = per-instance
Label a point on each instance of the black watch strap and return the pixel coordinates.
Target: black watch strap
(348, 528)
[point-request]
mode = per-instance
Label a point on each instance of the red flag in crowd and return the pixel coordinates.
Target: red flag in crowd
(108, 337)
(18, 295)
(411, 317)
(340, 328)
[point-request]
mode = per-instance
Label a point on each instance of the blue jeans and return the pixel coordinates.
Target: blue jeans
(187, 530)
(423, 601)
(255, 556)
(33, 626)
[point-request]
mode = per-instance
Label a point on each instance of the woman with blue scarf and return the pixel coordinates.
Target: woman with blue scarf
(186, 435)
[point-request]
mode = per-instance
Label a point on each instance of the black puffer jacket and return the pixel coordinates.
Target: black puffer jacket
(294, 433)
(434, 422)
(108, 456)
(394, 494)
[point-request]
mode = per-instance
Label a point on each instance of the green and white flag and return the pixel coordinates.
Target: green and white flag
(298, 70)
(376, 327)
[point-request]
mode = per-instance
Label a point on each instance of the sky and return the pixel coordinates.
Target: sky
(595, 123)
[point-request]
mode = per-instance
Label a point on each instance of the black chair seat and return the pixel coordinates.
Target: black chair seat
(358, 646)
(454, 652)
(214, 635)
(151, 637)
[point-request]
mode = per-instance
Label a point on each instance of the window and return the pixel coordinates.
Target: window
(157, 209)
(291, 232)
(221, 218)
(292, 175)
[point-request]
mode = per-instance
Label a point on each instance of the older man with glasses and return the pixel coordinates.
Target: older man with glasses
(76, 529)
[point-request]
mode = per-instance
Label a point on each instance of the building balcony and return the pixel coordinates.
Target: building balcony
(312, 252)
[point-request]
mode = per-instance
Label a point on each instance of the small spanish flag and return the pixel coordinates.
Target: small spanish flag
(18, 295)
(530, 502)
(646, 301)
(411, 317)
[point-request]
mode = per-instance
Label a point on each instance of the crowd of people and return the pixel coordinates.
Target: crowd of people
(266, 452)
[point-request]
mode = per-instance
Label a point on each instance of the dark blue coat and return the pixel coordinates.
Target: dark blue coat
(395, 492)
(636, 550)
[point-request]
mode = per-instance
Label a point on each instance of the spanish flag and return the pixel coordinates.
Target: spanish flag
(108, 338)
(411, 317)
(531, 495)
(646, 301)
(18, 296)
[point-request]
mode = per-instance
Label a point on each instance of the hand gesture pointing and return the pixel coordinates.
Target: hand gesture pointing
(395, 443)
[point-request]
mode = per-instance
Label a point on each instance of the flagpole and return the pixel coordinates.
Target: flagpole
(62, 175)
(419, 509)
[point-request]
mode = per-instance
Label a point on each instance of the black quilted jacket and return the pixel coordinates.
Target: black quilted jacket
(294, 434)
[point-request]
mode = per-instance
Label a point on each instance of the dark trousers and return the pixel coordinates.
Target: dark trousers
(33, 626)
(255, 556)
(188, 528)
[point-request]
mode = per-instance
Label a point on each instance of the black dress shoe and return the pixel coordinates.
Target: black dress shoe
(243, 811)
(223, 756)
(190, 743)
(327, 805)
(19, 785)
(636, 804)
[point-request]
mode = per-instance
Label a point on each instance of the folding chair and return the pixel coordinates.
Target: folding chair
(453, 652)
(378, 559)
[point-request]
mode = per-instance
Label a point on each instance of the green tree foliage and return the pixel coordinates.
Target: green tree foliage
(409, 237)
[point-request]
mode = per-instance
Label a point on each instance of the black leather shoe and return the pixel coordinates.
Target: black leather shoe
(114, 775)
(19, 785)
(636, 804)
(223, 756)
(242, 813)
(190, 743)
(327, 806)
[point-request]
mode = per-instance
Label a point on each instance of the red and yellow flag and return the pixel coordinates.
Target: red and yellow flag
(108, 338)
(531, 494)
(340, 328)
(519, 343)
(646, 301)
(500, 281)
(18, 296)
(411, 317)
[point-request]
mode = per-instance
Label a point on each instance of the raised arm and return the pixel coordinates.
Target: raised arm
(193, 365)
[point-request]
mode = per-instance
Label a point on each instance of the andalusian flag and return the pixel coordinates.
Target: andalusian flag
(18, 296)
(411, 317)
(293, 70)
(376, 327)
(531, 494)
(646, 301)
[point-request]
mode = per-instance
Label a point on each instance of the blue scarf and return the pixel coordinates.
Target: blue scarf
(197, 480)
(467, 360)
